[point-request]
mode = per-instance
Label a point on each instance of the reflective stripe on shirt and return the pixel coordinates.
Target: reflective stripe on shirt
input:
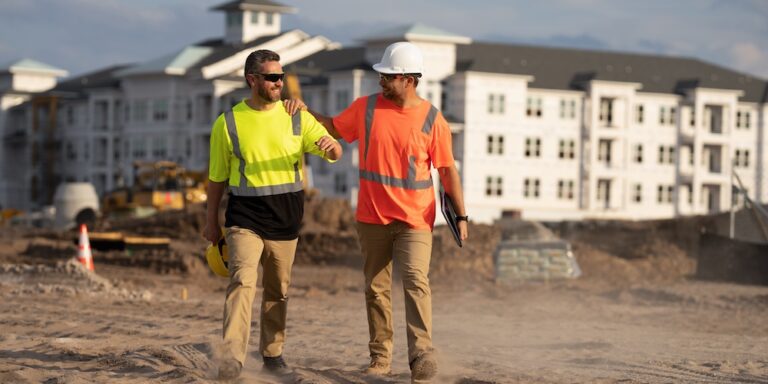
(243, 189)
(410, 181)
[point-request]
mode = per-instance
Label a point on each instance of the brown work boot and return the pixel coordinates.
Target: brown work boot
(423, 368)
(229, 369)
(378, 367)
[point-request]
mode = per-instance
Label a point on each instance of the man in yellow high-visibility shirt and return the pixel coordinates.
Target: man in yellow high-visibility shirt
(257, 152)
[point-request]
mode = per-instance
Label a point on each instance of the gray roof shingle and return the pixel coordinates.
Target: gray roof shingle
(253, 4)
(565, 68)
(103, 78)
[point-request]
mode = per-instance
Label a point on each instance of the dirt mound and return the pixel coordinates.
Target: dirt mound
(612, 251)
(625, 252)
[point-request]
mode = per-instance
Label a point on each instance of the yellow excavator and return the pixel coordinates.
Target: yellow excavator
(158, 186)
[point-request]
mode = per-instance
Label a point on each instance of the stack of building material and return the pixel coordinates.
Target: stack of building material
(529, 251)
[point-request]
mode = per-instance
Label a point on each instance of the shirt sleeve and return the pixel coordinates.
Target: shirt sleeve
(440, 150)
(311, 132)
(220, 152)
(348, 123)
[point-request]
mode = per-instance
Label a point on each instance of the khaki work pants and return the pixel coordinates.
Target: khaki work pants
(410, 250)
(246, 250)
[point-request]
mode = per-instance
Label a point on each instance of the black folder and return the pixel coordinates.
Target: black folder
(449, 212)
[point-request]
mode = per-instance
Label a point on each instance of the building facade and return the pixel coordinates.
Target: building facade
(563, 134)
(555, 134)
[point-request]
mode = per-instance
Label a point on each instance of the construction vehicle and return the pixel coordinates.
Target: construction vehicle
(7, 214)
(158, 186)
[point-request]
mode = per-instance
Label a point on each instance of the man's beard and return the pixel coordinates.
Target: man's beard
(266, 93)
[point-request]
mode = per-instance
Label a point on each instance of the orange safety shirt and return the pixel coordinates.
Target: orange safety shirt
(396, 148)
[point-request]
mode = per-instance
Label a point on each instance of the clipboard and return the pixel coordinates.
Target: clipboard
(449, 213)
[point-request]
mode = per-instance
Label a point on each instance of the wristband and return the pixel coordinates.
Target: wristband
(462, 218)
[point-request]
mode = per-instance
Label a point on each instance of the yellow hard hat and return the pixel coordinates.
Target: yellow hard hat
(218, 257)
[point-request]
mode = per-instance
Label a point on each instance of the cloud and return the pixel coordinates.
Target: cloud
(132, 12)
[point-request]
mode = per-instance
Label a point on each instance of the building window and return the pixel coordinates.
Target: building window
(70, 115)
(639, 113)
(531, 188)
(666, 155)
(604, 151)
(138, 148)
(495, 144)
(606, 111)
(664, 193)
(533, 108)
(604, 192)
(567, 149)
(270, 18)
(70, 151)
(342, 99)
(637, 193)
(493, 186)
(532, 147)
(567, 109)
(140, 110)
(638, 154)
(116, 149)
(565, 189)
(667, 115)
(159, 148)
(689, 189)
(742, 119)
(340, 183)
(234, 19)
(496, 103)
(491, 103)
(692, 122)
(741, 158)
(160, 110)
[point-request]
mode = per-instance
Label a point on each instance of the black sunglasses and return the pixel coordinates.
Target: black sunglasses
(392, 76)
(273, 77)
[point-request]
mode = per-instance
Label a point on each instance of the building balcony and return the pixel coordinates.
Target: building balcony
(687, 135)
(686, 173)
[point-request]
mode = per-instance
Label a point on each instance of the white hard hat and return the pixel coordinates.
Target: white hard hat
(401, 58)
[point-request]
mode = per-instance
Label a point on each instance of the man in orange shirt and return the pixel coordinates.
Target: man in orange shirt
(400, 135)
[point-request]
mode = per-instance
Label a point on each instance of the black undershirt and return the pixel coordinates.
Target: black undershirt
(274, 217)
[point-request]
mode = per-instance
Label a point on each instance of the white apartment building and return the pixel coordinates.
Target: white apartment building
(552, 133)
(564, 134)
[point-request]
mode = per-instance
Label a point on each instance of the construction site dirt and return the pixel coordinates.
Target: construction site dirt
(637, 314)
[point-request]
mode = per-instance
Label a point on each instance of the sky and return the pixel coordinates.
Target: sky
(86, 35)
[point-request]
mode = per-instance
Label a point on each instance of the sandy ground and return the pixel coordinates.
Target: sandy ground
(61, 324)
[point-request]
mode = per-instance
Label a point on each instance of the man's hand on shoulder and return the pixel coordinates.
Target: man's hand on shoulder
(293, 106)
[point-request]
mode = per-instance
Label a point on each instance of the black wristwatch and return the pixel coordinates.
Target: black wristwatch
(462, 218)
